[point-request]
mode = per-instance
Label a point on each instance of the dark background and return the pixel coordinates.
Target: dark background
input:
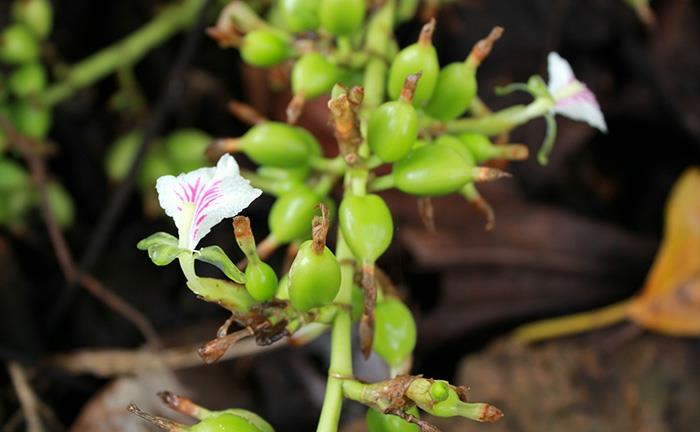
(599, 203)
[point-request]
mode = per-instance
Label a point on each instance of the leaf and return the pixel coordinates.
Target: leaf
(670, 300)
(216, 256)
(162, 248)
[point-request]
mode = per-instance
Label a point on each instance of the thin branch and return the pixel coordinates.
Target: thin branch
(114, 362)
(37, 166)
(119, 199)
(27, 398)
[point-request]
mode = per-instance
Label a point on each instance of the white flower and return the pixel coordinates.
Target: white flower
(200, 199)
(572, 98)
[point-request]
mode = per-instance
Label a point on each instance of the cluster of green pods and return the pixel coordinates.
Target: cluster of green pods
(22, 80)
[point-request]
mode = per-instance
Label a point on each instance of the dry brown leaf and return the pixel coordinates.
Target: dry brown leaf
(670, 300)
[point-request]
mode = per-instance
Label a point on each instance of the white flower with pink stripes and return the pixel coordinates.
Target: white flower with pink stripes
(200, 199)
(573, 99)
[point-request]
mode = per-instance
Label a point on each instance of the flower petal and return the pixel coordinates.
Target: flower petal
(584, 107)
(573, 99)
(200, 199)
(560, 72)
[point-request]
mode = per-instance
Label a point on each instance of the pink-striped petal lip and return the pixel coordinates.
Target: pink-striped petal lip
(573, 99)
(200, 199)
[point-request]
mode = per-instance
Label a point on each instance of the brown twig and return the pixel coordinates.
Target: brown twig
(246, 113)
(109, 363)
(72, 274)
(27, 398)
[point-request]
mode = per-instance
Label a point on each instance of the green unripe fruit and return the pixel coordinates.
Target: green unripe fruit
(313, 75)
(479, 145)
(12, 176)
(392, 130)
(342, 17)
(37, 15)
(276, 144)
(283, 288)
(454, 92)
(61, 204)
(226, 422)
(419, 57)
(378, 422)
(28, 79)
(439, 391)
(367, 226)
(252, 418)
(432, 171)
(121, 155)
(186, 147)
(314, 278)
(261, 281)
(18, 203)
(301, 15)
(265, 48)
(31, 120)
(18, 45)
(155, 164)
(394, 331)
(291, 215)
(457, 145)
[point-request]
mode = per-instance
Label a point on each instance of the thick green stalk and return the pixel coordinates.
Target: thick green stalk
(125, 52)
(498, 122)
(341, 347)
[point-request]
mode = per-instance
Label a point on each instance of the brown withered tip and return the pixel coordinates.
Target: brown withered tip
(241, 227)
(409, 86)
(295, 108)
(491, 414)
(319, 228)
(426, 33)
(169, 398)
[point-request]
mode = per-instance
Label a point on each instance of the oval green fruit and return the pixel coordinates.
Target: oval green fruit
(301, 15)
(432, 170)
(457, 145)
(313, 75)
(37, 15)
(314, 278)
(454, 92)
(155, 164)
(479, 145)
(185, 148)
(392, 130)
(265, 48)
(12, 176)
(366, 224)
(342, 17)
(378, 422)
(18, 45)
(418, 57)
(261, 281)
(226, 421)
(30, 119)
(121, 155)
(61, 204)
(394, 331)
(291, 215)
(28, 79)
(276, 144)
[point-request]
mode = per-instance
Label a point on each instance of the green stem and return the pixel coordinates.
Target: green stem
(125, 52)
(341, 348)
(499, 122)
(382, 183)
